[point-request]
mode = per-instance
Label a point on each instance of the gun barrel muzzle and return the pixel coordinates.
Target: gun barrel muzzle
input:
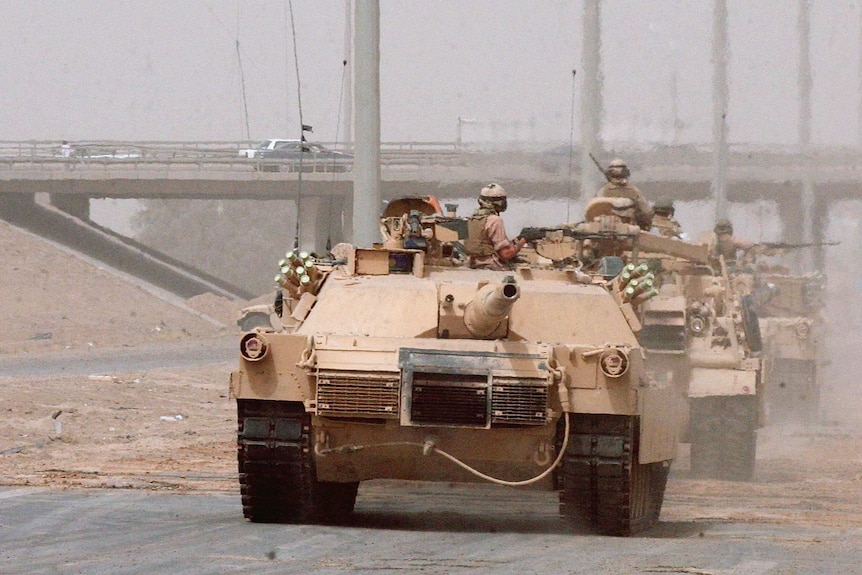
(490, 307)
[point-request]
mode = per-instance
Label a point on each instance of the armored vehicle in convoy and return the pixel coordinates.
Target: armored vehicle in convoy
(399, 362)
(789, 311)
(699, 333)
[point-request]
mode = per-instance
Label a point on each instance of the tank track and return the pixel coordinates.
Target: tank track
(601, 484)
(723, 437)
(276, 468)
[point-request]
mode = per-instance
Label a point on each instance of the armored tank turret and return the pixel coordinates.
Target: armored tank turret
(398, 362)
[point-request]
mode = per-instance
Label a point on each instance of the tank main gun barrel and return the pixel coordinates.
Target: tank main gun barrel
(490, 307)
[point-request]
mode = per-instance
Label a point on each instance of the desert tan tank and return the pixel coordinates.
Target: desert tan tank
(788, 308)
(700, 335)
(725, 388)
(397, 362)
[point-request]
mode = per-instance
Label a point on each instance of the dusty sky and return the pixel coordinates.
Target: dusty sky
(169, 70)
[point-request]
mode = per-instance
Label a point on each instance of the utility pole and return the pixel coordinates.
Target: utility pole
(591, 97)
(367, 199)
(348, 74)
(808, 205)
(719, 107)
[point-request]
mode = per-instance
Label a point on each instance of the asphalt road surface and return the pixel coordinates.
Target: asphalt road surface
(428, 529)
(182, 353)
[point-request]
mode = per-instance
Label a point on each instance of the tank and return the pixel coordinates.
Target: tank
(700, 336)
(725, 388)
(399, 362)
(788, 308)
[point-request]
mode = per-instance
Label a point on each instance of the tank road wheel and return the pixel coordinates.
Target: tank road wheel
(276, 469)
(723, 437)
(601, 484)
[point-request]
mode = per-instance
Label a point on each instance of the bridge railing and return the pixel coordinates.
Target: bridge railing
(169, 149)
(209, 155)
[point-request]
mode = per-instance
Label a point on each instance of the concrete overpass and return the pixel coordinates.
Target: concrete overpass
(214, 170)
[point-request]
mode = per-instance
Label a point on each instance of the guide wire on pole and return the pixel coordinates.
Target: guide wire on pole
(571, 148)
(337, 132)
(302, 127)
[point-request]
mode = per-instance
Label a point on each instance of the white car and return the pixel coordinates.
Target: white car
(270, 144)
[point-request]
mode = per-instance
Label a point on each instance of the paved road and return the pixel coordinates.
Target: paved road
(181, 353)
(432, 529)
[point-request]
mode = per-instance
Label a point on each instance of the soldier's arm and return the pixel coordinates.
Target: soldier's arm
(509, 252)
(506, 248)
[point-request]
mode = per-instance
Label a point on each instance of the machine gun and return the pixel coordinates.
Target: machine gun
(599, 166)
(787, 246)
(532, 234)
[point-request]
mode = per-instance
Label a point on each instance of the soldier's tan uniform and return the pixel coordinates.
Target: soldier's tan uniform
(618, 186)
(723, 243)
(492, 231)
(663, 222)
(667, 227)
(487, 243)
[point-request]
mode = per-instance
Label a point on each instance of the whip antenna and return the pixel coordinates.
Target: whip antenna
(571, 148)
(303, 127)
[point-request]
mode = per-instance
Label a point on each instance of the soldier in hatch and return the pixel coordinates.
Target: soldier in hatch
(618, 186)
(722, 242)
(663, 222)
(487, 244)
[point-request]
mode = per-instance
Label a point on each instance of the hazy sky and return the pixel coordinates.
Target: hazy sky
(169, 70)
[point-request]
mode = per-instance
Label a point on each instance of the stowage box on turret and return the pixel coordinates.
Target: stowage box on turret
(398, 362)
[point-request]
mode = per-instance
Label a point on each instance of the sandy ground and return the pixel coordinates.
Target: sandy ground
(174, 429)
(129, 429)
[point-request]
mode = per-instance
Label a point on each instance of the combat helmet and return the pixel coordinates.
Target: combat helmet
(493, 196)
(723, 226)
(618, 170)
(664, 206)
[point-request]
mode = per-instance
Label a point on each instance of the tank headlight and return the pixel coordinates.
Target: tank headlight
(697, 324)
(614, 363)
(253, 347)
(802, 330)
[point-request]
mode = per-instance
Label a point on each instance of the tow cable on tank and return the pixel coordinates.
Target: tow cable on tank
(429, 446)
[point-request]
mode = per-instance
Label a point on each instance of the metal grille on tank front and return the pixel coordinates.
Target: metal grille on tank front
(516, 402)
(352, 394)
(444, 399)
(447, 399)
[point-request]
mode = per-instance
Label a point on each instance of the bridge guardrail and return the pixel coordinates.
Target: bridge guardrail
(47, 154)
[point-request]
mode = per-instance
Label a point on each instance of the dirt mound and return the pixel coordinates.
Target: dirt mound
(53, 299)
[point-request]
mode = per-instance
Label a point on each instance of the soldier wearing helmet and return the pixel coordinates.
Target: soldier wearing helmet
(618, 186)
(723, 243)
(663, 222)
(487, 244)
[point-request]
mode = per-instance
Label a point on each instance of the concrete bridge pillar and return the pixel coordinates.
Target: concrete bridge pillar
(14, 206)
(323, 220)
(804, 220)
(77, 205)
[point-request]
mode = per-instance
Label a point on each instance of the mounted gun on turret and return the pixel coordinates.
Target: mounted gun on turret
(490, 307)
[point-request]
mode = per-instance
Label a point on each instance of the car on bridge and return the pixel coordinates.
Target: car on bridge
(289, 155)
(270, 144)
